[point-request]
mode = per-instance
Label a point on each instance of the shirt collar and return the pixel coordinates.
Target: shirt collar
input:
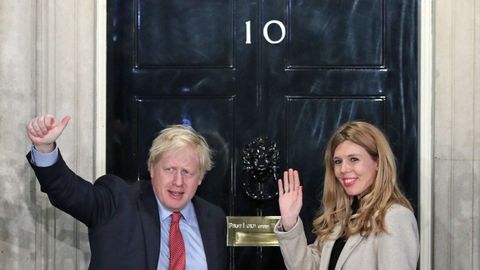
(188, 212)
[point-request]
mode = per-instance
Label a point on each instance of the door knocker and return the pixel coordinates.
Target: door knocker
(260, 163)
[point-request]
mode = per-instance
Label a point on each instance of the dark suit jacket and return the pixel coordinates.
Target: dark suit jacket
(123, 220)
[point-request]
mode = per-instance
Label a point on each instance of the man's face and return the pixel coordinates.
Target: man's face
(176, 177)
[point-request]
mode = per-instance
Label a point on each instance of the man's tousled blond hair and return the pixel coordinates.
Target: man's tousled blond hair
(177, 137)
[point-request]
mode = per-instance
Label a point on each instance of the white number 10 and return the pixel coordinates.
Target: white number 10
(248, 33)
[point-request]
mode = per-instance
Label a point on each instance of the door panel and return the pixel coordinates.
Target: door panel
(354, 28)
(290, 71)
(177, 33)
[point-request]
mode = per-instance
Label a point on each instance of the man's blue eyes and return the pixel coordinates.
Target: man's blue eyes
(173, 170)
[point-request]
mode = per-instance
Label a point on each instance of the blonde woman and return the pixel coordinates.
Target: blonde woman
(365, 221)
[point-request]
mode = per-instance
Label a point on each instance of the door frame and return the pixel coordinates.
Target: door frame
(426, 141)
(425, 97)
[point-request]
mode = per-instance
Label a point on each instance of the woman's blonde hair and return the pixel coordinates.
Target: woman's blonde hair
(384, 191)
(176, 137)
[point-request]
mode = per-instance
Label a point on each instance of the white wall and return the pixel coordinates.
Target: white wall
(18, 209)
(456, 183)
(47, 65)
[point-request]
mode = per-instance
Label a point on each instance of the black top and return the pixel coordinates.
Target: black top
(340, 242)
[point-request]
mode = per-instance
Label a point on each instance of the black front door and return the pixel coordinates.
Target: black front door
(289, 71)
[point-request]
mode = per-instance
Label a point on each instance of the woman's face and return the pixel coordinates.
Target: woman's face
(354, 168)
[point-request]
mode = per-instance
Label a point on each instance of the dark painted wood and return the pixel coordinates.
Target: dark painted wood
(188, 62)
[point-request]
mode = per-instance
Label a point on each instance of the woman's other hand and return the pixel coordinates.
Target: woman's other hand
(290, 198)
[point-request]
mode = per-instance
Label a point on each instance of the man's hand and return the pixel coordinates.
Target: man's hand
(290, 198)
(44, 130)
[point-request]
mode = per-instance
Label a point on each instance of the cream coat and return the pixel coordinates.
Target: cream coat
(397, 249)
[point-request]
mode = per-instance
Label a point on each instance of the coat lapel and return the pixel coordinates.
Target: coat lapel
(149, 216)
(352, 242)
(327, 247)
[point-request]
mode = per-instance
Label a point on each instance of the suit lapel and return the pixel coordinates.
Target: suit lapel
(148, 209)
(204, 222)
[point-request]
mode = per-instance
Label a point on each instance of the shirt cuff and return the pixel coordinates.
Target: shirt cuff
(40, 159)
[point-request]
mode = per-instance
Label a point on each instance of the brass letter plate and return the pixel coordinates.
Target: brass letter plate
(251, 231)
